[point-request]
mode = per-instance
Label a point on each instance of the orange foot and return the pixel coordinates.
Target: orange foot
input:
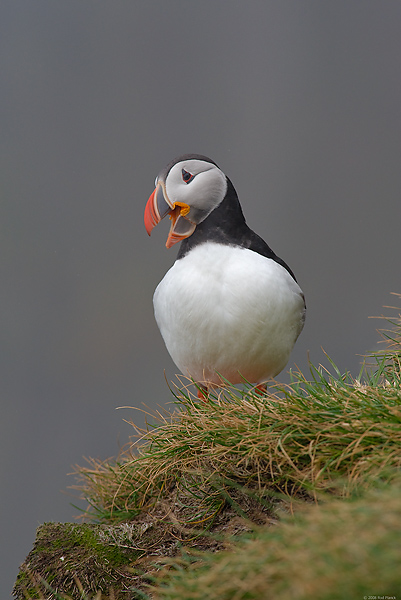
(261, 389)
(202, 393)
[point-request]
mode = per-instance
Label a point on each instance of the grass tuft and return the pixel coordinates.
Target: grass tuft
(329, 552)
(303, 438)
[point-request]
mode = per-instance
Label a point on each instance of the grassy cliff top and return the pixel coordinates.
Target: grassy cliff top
(186, 511)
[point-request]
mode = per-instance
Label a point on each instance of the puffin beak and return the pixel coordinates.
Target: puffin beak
(158, 206)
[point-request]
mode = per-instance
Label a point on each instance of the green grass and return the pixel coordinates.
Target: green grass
(329, 552)
(213, 472)
(332, 434)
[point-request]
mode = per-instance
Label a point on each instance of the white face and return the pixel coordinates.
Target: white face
(199, 184)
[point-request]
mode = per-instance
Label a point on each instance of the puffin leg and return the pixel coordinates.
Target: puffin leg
(260, 389)
(202, 392)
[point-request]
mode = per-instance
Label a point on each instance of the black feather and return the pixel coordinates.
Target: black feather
(226, 225)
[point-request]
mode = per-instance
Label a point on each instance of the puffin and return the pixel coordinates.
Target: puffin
(229, 309)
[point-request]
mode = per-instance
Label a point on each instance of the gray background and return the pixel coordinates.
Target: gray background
(298, 101)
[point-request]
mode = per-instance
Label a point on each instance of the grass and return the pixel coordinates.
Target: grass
(332, 551)
(215, 471)
(303, 438)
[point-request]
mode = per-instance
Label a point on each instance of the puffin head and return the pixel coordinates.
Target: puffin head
(188, 189)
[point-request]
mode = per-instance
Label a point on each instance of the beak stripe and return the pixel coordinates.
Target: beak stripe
(156, 209)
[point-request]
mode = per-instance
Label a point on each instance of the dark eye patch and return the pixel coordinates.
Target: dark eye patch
(187, 176)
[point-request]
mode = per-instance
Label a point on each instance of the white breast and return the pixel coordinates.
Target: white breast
(230, 311)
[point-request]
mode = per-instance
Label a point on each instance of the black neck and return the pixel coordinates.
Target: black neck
(222, 225)
(226, 225)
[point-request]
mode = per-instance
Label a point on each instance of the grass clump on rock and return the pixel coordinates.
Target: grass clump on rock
(213, 472)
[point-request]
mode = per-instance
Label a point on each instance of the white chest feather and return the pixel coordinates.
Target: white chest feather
(229, 311)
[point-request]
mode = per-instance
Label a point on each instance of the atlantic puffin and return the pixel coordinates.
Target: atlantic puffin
(229, 309)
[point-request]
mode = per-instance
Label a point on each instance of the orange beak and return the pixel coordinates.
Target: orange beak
(158, 206)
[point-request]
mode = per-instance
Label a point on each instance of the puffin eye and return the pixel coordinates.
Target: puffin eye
(186, 176)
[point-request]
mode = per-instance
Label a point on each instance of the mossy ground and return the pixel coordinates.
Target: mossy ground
(64, 554)
(213, 472)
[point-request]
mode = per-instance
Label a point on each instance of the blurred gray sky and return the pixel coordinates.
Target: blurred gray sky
(299, 102)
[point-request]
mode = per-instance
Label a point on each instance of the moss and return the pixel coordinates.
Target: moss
(68, 556)
(87, 537)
